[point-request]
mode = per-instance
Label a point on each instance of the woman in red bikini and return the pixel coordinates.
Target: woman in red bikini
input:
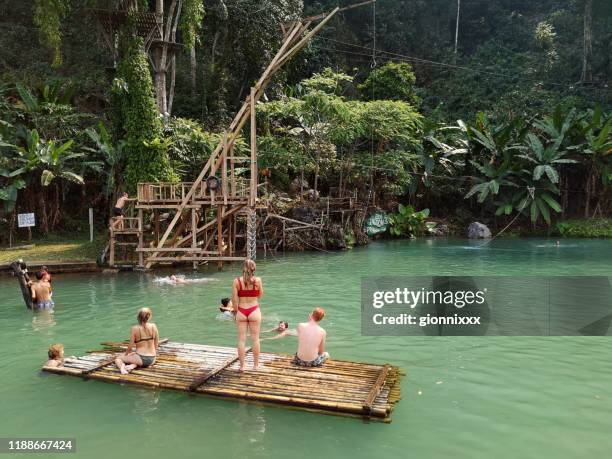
(246, 292)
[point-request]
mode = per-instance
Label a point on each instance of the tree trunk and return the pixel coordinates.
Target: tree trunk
(172, 82)
(587, 55)
(457, 27)
(588, 194)
(194, 72)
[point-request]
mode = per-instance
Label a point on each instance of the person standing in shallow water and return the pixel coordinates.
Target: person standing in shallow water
(246, 292)
(145, 339)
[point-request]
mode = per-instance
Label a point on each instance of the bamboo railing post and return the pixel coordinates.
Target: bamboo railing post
(220, 234)
(111, 256)
(194, 227)
(224, 187)
(156, 225)
(140, 238)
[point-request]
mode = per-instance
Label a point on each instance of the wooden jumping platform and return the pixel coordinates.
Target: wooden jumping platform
(338, 387)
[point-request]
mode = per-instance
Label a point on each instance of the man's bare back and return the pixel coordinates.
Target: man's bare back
(311, 340)
(121, 201)
(41, 291)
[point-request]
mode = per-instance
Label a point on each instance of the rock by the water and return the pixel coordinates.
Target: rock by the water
(478, 230)
(441, 230)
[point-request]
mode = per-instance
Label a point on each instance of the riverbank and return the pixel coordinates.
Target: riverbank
(74, 252)
(55, 248)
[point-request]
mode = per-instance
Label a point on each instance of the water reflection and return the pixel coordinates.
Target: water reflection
(43, 320)
(146, 403)
(248, 433)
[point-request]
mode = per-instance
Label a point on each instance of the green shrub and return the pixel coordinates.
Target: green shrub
(139, 121)
(601, 228)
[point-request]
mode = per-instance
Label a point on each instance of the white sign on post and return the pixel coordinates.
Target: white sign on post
(25, 220)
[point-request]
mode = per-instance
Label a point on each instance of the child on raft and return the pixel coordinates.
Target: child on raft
(56, 356)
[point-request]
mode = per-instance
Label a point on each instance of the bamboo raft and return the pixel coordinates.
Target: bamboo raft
(338, 387)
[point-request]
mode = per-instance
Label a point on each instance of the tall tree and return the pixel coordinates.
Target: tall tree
(587, 55)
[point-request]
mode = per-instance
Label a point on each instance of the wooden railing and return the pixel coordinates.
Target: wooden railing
(129, 224)
(175, 192)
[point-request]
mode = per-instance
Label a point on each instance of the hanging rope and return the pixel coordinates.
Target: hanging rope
(531, 192)
(372, 66)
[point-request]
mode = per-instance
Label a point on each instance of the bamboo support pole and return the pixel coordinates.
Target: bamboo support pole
(253, 192)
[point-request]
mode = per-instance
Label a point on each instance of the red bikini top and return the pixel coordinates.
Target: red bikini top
(249, 293)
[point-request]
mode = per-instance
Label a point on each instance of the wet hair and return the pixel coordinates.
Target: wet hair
(55, 351)
(40, 274)
(248, 272)
(225, 301)
(144, 314)
(286, 323)
(317, 314)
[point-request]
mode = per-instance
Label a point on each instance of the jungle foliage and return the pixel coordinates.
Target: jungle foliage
(507, 127)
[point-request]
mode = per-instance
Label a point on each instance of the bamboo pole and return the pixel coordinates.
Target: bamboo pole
(253, 191)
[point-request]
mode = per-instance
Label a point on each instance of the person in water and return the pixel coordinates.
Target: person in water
(56, 356)
(227, 308)
(311, 341)
(281, 330)
(41, 293)
(246, 292)
(118, 211)
(177, 280)
(145, 339)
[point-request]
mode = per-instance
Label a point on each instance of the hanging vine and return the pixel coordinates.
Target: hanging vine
(191, 21)
(48, 15)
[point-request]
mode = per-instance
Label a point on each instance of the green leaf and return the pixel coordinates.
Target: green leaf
(26, 96)
(544, 210)
(46, 177)
(475, 189)
(71, 176)
(552, 174)
(552, 203)
(538, 172)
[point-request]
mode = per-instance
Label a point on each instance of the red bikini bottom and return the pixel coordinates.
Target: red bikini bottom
(247, 311)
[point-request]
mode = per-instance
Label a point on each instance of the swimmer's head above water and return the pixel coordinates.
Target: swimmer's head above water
(282, 326)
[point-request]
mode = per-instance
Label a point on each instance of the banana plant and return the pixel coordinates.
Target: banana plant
(531, 199)
(494, 178)
(112, 154)
(52, 158)
(545, 159)
(494, 141)
(8, 192)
